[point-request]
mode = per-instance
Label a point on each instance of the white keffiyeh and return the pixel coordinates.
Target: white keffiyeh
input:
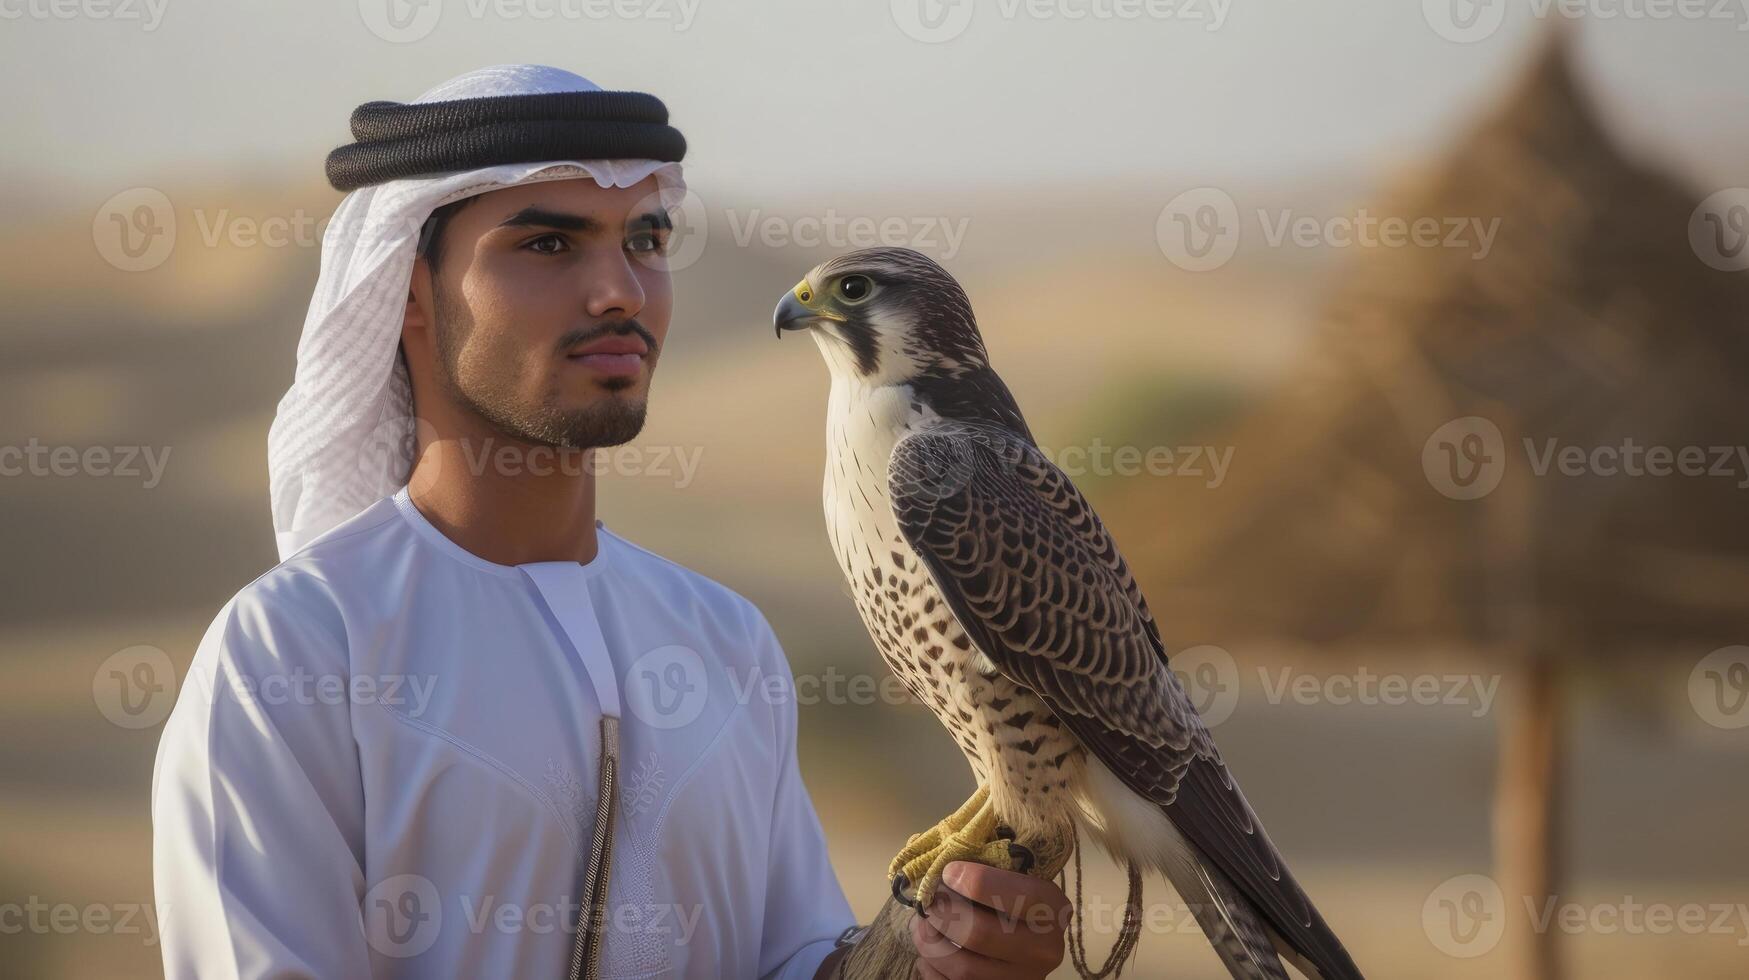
(343, 435)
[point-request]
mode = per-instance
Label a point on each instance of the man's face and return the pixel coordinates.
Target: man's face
(546, 313)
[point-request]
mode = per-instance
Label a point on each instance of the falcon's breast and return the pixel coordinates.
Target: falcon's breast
(1016, 745)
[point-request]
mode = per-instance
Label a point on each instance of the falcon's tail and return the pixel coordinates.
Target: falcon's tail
(1239, 935)
(1251, 946)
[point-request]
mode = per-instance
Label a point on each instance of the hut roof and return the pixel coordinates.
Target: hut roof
(1589, 322)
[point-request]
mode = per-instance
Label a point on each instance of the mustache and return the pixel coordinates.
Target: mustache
(614, 328)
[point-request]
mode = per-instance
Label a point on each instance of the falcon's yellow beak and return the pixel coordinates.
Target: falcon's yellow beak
(799, 308)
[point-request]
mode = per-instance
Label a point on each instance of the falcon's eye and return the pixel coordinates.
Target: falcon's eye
(855, 289)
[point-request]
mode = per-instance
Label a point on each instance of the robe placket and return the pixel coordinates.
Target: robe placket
(564, 587)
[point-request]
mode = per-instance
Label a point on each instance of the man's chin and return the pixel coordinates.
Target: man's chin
(611, 421)
(621, 385)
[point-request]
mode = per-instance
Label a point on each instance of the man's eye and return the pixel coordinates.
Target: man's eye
(538, 244)
(647, 242)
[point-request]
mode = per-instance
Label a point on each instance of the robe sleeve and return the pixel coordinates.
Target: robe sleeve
(805, 908)
(257, 802)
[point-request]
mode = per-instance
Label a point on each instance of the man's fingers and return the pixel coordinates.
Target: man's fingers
(990, 933)
(936, 952)
(1031, 901)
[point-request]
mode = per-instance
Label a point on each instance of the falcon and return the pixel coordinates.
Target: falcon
(994, 592)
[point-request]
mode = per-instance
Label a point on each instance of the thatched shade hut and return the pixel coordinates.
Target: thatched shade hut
(1355, 515)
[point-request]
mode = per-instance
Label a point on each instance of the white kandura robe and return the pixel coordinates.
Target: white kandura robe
(383, 763)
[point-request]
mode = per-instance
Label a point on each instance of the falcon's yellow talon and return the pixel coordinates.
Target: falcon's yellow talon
(917, 844)
(970, 834)
(927, 869)
(929, 840)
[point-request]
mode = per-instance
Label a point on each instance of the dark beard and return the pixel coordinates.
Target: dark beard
(614, 422)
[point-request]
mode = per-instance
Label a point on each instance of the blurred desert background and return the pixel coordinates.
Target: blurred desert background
(1608, 612)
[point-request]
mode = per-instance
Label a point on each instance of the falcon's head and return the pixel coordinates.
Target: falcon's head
(885, 316)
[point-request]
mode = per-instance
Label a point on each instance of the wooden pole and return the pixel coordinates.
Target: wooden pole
(1528, 777)
(1526, 815)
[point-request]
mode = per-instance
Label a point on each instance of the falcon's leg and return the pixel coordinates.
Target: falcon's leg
(928, 840)
(972, 833)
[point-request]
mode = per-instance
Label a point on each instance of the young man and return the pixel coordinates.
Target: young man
(463, 729)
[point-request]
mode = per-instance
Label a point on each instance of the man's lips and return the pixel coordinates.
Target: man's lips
(615, 356)
(613, 345)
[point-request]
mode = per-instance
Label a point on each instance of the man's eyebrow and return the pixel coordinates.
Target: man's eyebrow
(536, 216)
(541, 217)
(659, 220)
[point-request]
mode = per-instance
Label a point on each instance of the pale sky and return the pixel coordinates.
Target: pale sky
(789, 96)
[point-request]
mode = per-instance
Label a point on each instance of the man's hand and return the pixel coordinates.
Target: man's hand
(986, 924)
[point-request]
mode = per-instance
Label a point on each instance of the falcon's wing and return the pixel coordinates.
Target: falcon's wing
(1034, 578)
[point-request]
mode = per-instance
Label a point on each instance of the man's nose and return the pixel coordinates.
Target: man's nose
(612, 287)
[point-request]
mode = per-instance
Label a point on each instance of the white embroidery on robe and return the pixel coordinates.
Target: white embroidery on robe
(567, 795)
(637, 952)
(643, 784)
(643, 952)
